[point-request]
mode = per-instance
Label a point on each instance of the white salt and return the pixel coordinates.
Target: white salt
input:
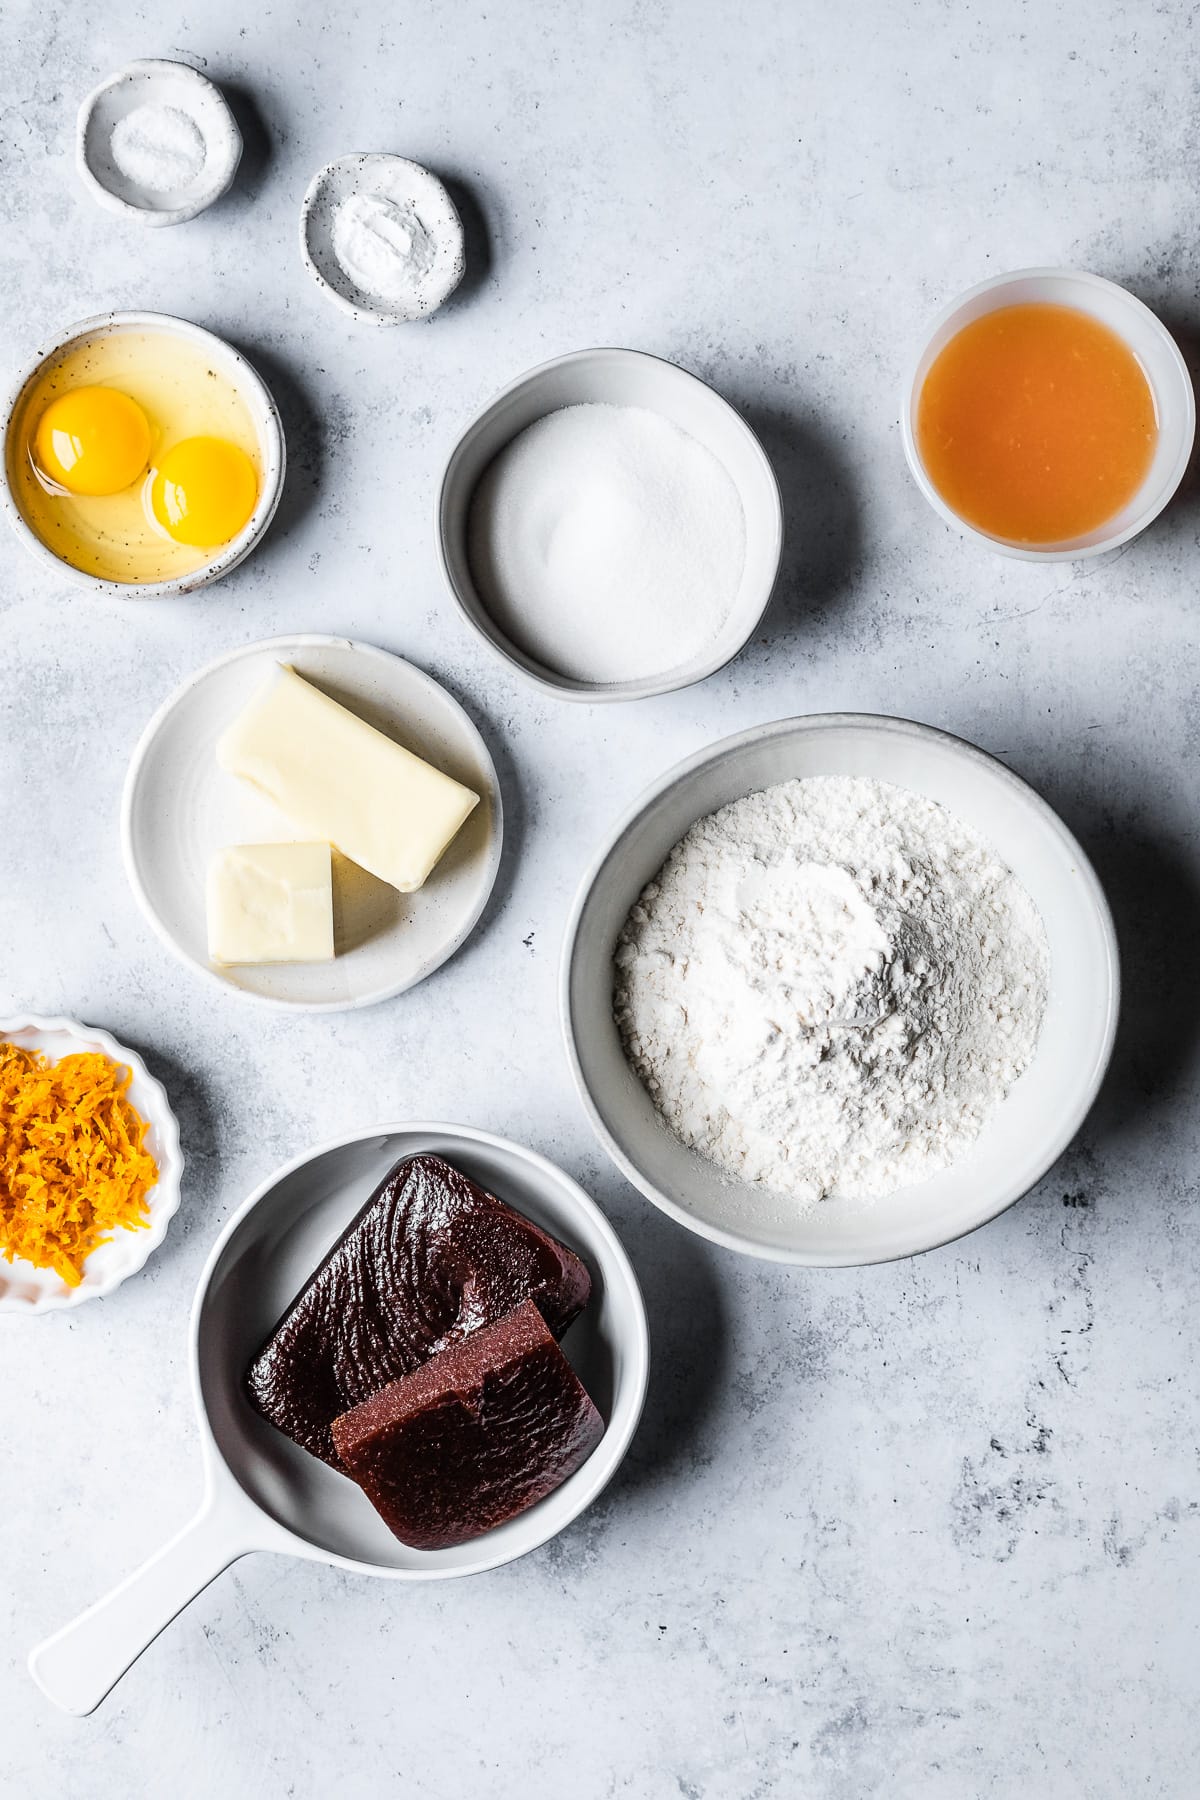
(161, 148)
(607, 543)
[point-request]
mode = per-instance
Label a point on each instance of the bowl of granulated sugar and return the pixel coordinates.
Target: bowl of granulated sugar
(611, 526)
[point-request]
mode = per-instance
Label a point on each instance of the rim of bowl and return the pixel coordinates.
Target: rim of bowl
(562, 687)
(203, 197)
(636, 1343)
(306, 640)
(1069, 550)
(364, 314)
(1011, 1192)
(166, 1190)
(267, 423)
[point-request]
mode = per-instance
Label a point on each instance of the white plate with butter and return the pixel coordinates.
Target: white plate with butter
(180, 809)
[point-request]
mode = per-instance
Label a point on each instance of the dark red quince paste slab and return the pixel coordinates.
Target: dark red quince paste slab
(474, 1436)
(430, 1258)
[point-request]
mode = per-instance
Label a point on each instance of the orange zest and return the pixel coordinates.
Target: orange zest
(74, 1165)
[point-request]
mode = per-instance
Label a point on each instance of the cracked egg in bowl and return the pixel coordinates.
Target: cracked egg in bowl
(143, 456)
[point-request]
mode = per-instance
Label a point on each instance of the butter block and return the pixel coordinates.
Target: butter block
(270, 903)
(338, 778)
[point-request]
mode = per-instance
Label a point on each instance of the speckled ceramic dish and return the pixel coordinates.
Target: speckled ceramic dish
(261, 1491)
(406, 185)
(237, 371)
(153, 82)
(1026, 1133)
(618, 378)
(179, 807)
(26, 1289)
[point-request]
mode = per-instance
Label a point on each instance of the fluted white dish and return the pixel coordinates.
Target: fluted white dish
(27, 1289)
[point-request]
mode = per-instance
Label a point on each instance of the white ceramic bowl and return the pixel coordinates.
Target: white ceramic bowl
(272, 455)
(152, 81)
(392, 178)
(618, 378)
(1162, 364)
(26, 1289)
(1027, 1132)
(261, 1491)
(179, 807)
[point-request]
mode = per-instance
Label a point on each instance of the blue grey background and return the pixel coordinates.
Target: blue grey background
(927, 1530)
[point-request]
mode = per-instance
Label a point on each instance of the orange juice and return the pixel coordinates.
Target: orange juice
(1036, 423)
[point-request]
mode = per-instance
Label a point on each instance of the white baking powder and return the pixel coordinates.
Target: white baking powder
(161, 148)
(607, 543)
(383, 247)
(828, 987)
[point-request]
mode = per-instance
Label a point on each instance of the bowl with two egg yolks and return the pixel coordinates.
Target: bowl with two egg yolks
(143, 455)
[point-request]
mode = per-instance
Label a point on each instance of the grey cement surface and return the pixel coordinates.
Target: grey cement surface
(928, 1530)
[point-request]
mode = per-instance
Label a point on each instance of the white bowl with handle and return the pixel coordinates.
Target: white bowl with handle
(261, 1491)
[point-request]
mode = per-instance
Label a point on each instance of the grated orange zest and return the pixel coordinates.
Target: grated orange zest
(74, 1166)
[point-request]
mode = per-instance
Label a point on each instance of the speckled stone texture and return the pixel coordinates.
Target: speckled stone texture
(928, 1530)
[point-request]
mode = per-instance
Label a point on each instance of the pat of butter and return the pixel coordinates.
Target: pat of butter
(270, 903)
(338, 778)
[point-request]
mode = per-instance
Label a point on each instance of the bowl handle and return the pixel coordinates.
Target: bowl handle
(78, 1665)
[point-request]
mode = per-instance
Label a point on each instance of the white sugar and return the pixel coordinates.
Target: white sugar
(607, 543)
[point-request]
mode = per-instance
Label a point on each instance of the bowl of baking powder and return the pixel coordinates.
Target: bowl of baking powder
(838, 990)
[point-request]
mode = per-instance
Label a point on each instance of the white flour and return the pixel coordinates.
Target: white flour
(828, 987)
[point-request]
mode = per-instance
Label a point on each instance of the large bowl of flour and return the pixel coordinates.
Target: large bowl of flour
(838, 990)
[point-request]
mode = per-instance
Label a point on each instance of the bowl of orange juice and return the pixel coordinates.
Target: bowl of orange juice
(1050, 415)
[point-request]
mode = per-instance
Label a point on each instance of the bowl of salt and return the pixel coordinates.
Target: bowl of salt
(157, 142)
(610, 526)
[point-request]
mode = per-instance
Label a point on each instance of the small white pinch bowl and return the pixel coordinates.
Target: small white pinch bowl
(271, 450)
(391, 178)
(1161, 363)
(27, 1289)
(1027, 1132)
(152, 81)
(618, 378)
(178, 808)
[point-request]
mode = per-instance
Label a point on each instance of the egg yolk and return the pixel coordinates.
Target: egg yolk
(93, 440)
(204, 491)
